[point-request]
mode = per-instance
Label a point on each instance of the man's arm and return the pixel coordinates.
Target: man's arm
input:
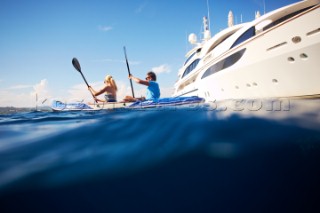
(138, 80)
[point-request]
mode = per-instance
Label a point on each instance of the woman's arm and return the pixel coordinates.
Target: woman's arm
(95, 93)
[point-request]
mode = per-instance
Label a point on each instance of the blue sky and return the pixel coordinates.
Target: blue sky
(39, 38)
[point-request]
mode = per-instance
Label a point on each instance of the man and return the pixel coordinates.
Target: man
(153, 90)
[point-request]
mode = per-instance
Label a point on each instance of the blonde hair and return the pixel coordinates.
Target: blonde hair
(112, 82)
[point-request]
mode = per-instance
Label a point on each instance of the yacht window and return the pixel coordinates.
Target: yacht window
(245, 36)
(191, 67)
(284, 18)
(198, 50)
(215, 45)
(223, 64)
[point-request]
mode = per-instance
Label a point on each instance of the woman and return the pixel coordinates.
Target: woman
(110, 89)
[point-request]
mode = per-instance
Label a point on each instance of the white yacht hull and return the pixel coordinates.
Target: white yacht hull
(283, 61)
(288, 70)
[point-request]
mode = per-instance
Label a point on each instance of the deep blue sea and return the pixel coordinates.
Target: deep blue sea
(238, 158)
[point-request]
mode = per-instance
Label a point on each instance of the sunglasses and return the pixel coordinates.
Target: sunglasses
(148, 77)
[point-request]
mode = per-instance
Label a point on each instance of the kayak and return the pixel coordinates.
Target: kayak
(161, 102)
(79, 106)
(168, 102)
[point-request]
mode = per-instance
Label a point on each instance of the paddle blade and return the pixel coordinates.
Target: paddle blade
(76, 64)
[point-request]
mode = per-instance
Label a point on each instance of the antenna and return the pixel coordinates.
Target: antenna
(230, 19)
(264, 7)
(208, 15)
(206, 31)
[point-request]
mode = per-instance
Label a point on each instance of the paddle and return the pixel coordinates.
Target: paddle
(125, 54)
(77, 66)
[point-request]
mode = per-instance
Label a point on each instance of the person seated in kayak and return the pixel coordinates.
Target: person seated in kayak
(110, 89)
(153, 90)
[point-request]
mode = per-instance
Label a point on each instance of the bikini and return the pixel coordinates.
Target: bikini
(110, 98)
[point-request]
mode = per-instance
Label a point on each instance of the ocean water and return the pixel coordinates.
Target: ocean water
(230, 157)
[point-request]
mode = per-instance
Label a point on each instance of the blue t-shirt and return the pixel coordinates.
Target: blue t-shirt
(153, 91)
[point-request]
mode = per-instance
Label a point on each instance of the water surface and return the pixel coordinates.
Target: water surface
(228, 157)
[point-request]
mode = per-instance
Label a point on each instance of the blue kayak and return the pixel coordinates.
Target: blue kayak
(167, 102)
(161, 102)
(79, 106)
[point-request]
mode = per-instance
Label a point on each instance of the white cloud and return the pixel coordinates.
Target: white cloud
(77, 92)
(17, 87)
(27, 96)
(8, 98)
(105, 28)
(41, 90)
(166, 92)
(164, 68)
(141, 7)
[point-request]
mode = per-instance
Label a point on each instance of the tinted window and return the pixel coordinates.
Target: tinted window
(198, 50)
(284, 18)
(245, 36)
(191, 67)
(223, 64)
